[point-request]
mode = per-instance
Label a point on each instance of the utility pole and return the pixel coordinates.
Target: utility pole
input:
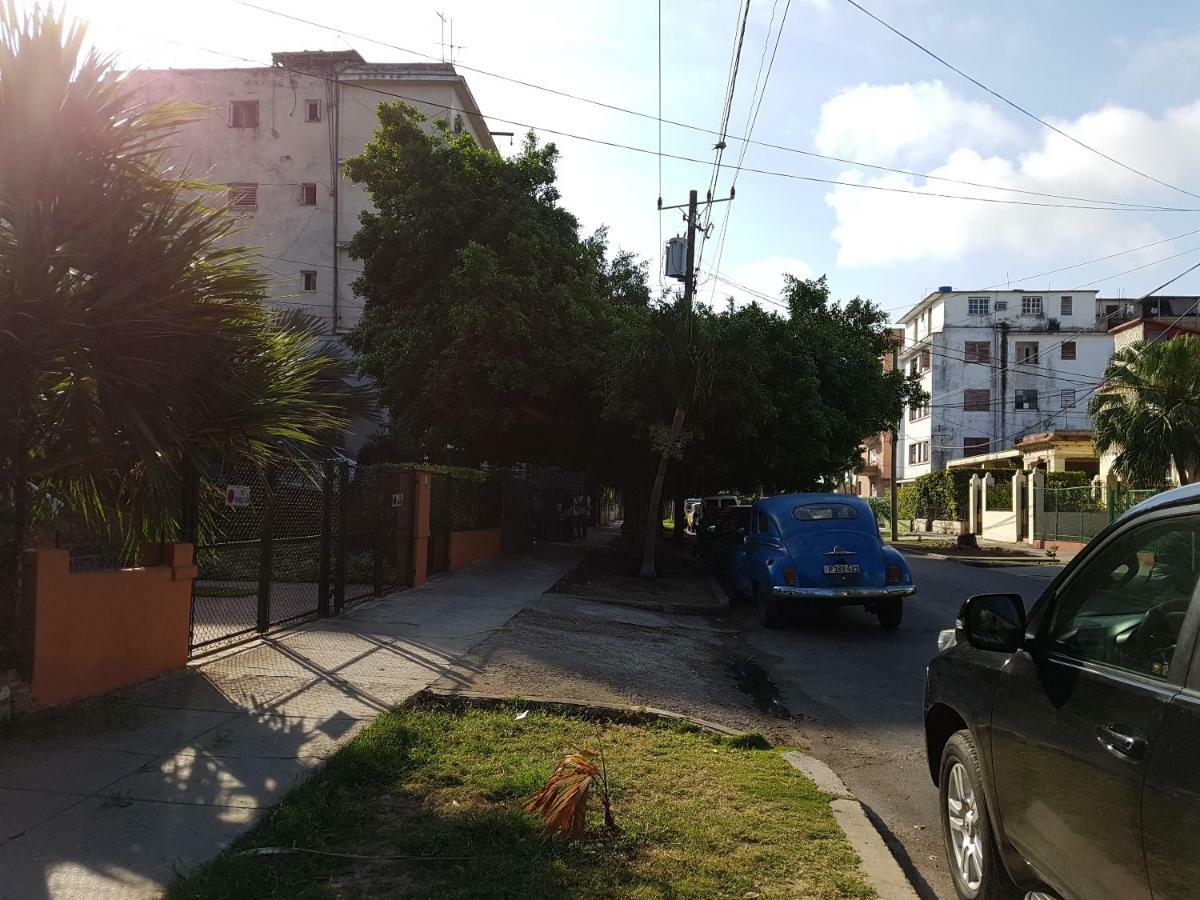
(895, 440)
(654, 514)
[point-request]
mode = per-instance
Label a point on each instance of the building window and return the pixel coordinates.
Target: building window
(918, 452)
(1111, 311)
(978, 306)
(1066, 398)
(1068, 349)
(1031, 306)
(243, 196)
(1001, 306)
(1065, 305)
(924, 359)
(312, 110)
(972, 446)
(917, 412)
(1027, 353)
(308, 279)
(977, 352)
(242, 114)
(308, 194)
(1027, 398)
(977, 400)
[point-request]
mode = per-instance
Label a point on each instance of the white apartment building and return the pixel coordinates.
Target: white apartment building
(997, 365)
(277, 136)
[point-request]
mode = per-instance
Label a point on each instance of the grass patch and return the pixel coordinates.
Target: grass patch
(698, 816)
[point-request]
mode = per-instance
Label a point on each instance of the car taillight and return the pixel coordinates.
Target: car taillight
(789, 576)
(894, 575)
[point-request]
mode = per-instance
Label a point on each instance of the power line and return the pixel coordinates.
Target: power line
(1015, 105)
(1096, 260)
(751, 122)
(419, 101)
(684, 125)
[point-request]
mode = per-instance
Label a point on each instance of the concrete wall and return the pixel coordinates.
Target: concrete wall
(285, 151)
(467, 547)
(90, 632)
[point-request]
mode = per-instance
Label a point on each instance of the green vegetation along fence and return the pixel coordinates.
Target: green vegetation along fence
(1070, 513)
(1121, 500)
(460, 500)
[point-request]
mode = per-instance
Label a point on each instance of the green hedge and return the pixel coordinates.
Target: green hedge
(1068, 479)
(942, 495)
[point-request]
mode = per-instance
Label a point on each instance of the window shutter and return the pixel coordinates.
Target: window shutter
(228, 113)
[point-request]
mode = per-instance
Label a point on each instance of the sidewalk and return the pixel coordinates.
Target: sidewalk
(111, 799)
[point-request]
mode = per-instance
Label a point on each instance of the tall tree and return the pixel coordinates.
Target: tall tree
(484, 322)
(1148, 410)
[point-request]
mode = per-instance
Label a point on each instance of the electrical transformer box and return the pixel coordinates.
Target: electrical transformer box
(675, 258)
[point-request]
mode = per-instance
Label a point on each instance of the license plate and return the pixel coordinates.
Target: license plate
(842, 569)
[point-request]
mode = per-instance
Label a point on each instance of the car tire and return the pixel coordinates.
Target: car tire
(768, 609)
(890, 613)
(975, 866)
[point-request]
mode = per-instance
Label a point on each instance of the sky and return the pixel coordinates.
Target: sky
(1123, 78)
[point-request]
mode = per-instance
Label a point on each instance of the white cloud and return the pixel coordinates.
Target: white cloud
(908, 122)
(874, 227)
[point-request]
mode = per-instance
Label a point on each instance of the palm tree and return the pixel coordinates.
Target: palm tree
(1148, 410)
(132, 333)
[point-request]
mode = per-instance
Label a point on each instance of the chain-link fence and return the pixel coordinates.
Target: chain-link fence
(305, 539)
(1121, 500)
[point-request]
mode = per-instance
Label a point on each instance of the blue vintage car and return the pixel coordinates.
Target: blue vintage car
(814, 551)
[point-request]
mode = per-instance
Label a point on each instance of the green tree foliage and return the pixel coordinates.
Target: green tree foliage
(486, 315)
(496, 333)
(131, 332)
(1148, 410)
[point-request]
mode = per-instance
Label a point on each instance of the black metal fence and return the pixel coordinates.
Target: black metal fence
(298, 541)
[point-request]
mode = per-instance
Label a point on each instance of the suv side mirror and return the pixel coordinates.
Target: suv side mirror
(994, 622)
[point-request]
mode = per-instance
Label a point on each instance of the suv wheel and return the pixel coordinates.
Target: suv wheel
(966, 826)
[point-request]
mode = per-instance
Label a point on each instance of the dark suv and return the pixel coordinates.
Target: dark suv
(1066, 745)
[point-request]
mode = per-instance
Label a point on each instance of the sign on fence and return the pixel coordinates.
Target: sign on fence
(398, 501)
(237, 495)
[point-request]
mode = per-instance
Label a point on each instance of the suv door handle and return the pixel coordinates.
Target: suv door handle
(1118, 743)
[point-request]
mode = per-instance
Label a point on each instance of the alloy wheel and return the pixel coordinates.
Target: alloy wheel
(966, 837)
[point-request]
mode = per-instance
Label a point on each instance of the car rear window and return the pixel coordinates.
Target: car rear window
(812, 512)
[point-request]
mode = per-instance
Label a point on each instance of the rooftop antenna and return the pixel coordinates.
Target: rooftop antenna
(451, 45)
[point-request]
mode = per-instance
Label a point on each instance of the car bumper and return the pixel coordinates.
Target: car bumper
(847, 595)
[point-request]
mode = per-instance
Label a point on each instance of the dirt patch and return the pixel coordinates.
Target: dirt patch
(572, 649)
(608, 574)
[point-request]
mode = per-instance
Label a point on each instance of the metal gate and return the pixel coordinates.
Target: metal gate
(302, 540)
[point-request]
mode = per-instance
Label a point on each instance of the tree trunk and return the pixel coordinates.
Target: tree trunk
(679, 518)
(653, 520)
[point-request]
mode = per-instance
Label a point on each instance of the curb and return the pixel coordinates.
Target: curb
(875, 860)
(631, 714)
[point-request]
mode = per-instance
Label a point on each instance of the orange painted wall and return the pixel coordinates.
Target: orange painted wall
(90, 632)
(468, 546)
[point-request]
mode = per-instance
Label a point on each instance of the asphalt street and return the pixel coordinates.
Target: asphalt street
(856, 692)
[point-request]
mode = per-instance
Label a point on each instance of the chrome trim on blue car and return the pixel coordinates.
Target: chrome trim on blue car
(844, 593)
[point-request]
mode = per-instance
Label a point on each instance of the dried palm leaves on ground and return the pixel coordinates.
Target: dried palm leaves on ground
(562, 801)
